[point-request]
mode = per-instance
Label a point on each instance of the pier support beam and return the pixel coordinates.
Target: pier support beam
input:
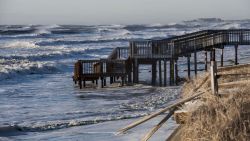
(160, 76)
(102, 82)
(195, 63)
(105, 82)
(129, 77)
(171, 70)
(80, 83)
(205, 60)
(135, 71)
(123, 80)
(222, 57)
(165, 72)
(188, 65)
(213, 55)
(129, 70)
(153, 71)
(176, 71)
(111, 80)
(236, 54)
(84, 83)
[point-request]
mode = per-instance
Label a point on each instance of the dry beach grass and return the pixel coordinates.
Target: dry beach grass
(220, 118)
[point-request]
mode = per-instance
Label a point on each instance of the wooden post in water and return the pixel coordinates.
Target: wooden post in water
(195, 63)
(188, 64)
(79, 69)
(102, 82)
(214, 82)
(205, 60)
(165, 72)
(153, 71)
(105, 83)
(176, 71)
(84, 83)
(135, 71)
(160, 76)
(129, 70)
(171, 72)
(236, 55)
(80, 83)
(111, 80)
(221, 57)
(123, 80)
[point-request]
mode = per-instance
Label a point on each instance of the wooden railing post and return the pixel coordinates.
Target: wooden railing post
(214, 82)
(79, 69)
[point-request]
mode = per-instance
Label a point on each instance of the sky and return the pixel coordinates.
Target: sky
(92, 12)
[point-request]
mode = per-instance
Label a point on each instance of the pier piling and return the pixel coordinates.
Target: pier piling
(160, 74)
(236, 54)
(165, 72)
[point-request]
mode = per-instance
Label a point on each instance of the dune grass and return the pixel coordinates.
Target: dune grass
(220, 118)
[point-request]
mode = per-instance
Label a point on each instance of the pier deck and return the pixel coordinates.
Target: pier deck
(123, 62)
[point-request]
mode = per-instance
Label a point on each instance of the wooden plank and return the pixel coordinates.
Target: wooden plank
(234, 84)
(159, 125)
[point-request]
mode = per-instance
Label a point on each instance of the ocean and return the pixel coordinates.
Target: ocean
(38, 100)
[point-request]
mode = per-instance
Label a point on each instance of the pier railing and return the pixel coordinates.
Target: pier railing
(102, 67)
(186, 44)
(119, 53)
(151, 49)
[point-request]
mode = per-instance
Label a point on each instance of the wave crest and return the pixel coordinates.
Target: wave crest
(11, 68)
(21, 44)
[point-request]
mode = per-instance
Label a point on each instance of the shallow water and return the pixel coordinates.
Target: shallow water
(40, 102)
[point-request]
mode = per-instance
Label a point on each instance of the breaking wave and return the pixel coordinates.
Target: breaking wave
(21, 44)
(55, 125)
(13, 68)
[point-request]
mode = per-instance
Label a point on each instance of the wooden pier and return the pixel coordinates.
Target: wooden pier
(123, 63)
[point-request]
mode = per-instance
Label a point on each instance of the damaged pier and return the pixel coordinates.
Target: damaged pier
(123, 63)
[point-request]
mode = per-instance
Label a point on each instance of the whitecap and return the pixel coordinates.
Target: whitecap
(21, 44)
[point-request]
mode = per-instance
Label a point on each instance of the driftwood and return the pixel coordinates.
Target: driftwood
(155, 128)
(146, 118)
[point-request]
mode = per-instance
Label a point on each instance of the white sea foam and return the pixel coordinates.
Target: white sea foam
(231, 26)
(12, 68)
(21, 44)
